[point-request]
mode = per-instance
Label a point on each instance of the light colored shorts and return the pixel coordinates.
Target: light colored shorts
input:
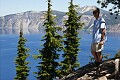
(96, 47)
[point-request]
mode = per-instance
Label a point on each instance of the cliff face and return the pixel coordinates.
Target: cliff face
(32, 22)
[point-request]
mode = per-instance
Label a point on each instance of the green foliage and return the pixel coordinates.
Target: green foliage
(21, 65)
(117, 54)
(105, 56)
(71, 40)
(47, 69)
(114, 9)
(92, 59)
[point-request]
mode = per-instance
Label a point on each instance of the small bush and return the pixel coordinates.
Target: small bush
(117, 54)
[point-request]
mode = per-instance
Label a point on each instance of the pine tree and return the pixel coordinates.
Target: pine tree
(71, 43)
(47, 69)
(114, 8)
(22, 70)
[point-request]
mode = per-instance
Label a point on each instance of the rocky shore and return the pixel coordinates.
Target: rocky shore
(88, 72)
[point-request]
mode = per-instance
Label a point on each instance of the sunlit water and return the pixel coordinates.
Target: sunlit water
(8, 51)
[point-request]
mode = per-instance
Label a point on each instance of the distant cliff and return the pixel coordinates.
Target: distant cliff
(32, 22)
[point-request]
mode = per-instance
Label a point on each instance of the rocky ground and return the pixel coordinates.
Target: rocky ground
(88, 72)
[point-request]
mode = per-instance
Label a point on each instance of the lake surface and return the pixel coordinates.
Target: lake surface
(8, 51)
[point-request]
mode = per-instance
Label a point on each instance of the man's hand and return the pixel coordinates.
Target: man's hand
(101, 42)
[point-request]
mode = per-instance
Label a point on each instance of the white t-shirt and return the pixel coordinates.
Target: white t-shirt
(96, 34)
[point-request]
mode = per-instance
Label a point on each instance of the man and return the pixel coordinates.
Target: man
(98, 36)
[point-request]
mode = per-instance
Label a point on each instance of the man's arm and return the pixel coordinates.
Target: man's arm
(103, 30)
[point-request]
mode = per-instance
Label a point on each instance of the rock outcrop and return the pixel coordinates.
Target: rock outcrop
(88, 72)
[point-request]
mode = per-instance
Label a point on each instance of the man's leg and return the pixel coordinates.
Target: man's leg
(93, 51)
(95, 56)
(99, 56)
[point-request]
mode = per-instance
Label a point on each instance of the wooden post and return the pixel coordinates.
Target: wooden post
(116, 68)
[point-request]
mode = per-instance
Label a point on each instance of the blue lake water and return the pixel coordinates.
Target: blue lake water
(8, 51)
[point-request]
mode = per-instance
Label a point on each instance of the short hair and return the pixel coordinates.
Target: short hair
(96, 8)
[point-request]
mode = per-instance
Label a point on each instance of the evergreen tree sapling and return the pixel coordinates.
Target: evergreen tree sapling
(47, 69)
(22, 70)
(71, 43)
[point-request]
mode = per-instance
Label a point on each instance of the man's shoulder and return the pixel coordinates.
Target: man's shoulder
(102, 20)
